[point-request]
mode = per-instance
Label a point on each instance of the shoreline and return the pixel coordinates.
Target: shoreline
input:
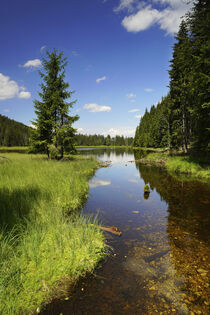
(196, 168)
(45, 244)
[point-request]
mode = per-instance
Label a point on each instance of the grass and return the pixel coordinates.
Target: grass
(45, 246)
(13, 149)
(197, 167)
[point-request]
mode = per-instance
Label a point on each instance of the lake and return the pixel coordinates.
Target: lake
(161, 262)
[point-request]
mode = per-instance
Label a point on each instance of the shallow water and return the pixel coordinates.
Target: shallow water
(160, 263)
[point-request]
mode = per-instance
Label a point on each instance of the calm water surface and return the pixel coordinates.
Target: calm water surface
(160, 263)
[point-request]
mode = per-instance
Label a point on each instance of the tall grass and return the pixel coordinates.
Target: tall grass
(44, 243)
(197, 167)
(187, 165)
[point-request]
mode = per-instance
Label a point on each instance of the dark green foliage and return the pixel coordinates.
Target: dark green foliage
(180, 90)
(199, 22)
(13, 133)
(182, 119)
(153, 128)
(54, 133)
(100, 140)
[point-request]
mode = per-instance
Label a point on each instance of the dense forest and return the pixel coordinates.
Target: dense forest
(13, 133)
(182, 118)
(95, 140)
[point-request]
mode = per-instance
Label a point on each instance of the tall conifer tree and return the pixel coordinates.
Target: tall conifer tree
(199, 21)
(54, 132)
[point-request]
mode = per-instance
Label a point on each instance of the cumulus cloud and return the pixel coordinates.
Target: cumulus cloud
(138, 116)
(121, 131)
(80, 130)
(32, 126)
(24, 94)
(101, 79)
(134, 110)
(140, 21)
(165, 13)
(148, 90)
(94, 108)
(33, 64)
(9, 89)
(131, 95)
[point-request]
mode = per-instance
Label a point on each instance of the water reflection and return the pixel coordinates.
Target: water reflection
(160, 263)
(98, 182)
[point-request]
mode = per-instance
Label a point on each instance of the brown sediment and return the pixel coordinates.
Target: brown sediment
(111, 229)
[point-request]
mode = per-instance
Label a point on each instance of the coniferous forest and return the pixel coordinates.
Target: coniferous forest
(181, 120)
(13, 133)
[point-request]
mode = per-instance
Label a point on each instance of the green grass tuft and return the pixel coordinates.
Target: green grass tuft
(44, 243)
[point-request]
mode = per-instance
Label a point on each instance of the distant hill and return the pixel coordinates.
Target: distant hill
(13, 133)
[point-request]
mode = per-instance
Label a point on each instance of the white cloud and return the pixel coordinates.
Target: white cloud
(24, 94)
(98, 182)
(121, 131)
(138, 116)
(131, 95)
(148, 90)
(43, 48)
(32, 126)
(10, 89)
(134, 110)
(94, 108)
(125, 4)
(80, 130)
(33, 64)
(101, 79)
(140, 21)
(167, 16)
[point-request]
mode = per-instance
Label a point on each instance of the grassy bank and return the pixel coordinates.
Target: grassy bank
(197, 167)
(44, 244)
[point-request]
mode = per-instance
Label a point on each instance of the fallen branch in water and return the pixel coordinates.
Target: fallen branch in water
(111, 229)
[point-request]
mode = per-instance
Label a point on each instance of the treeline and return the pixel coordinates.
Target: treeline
(97, 140)
(182, 118)
(13, 133)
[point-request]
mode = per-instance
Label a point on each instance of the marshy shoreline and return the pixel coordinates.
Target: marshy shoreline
(46, 244)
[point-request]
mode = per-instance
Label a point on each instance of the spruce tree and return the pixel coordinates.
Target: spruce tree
(199, 22)
(54, 133)
(180, 89)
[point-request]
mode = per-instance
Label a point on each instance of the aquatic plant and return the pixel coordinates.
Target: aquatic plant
(146, 188)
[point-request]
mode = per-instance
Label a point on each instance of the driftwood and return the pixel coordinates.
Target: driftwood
(111, 229)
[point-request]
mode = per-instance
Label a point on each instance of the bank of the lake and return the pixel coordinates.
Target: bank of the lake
(197, 167)
(45, 245)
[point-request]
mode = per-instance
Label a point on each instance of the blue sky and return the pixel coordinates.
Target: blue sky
(118, 53)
